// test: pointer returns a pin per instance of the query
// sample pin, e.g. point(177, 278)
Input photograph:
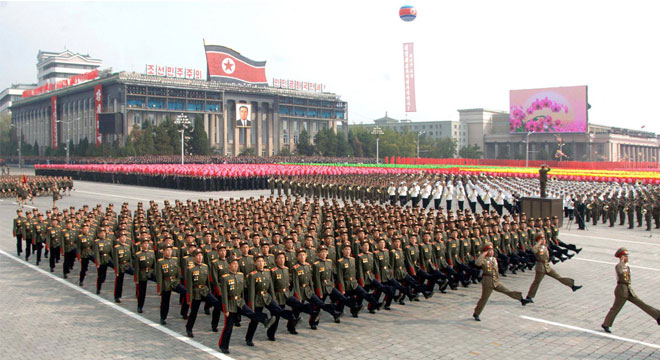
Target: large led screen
point(550, 110)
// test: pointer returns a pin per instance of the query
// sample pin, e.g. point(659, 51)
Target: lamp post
point(20, 141)
point(184, 122)
point(418, 135)
point(527, 148)
point(68, 127)
point(377, 131)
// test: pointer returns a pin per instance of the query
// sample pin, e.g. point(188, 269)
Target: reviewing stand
point(538, 207)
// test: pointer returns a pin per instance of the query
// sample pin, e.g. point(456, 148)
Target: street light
point(184, 122)
point(418, 135)
point(527, 148)
point(377, 131)
point(20, 140)
point(68, 127)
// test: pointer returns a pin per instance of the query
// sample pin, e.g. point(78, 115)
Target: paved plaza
point(47, 317)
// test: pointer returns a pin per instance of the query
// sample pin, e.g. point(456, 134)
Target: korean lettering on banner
point(160, 70)
point(151, 69)
point(305, 86)
point(170, 71)
point(180, 72)
point(284, 84)
point(409, 77)
point(298, 85)
point(276, 82)
point(292, 84)
point(198, 74)
point(98, 103)
point(53, 120)
point(190, 73)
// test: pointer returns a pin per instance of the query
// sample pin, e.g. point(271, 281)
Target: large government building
point(104, 106)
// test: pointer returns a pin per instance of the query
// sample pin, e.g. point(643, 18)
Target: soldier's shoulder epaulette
point(407, 246)
point(328, 260)
point(204, 265)
point(316, 262)
point(274, 269)
point(225, 275)
point(175, 257)
point(117, 245)
point(266, 269)
point(239, 273)
point(296, 266)
point(161, 259)
point(138, 252)
point(253, 272)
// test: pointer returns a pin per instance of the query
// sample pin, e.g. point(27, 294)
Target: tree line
point(362, 143)
point(147, 139)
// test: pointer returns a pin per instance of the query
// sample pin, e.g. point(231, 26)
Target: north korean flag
point(227, 65)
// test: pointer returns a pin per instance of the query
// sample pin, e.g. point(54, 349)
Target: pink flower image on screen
point(562, 109)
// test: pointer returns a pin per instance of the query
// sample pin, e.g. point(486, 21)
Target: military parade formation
point(324, 244)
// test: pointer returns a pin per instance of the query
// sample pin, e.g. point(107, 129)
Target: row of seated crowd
point(189, 159)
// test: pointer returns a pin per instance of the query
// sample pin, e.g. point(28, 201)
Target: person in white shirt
point(391, 191)
point(472, 199)
point(437, 195)
point(460, 196)
point(414, 193)
point(403, 193)
point(426, 193)
point(449, 194)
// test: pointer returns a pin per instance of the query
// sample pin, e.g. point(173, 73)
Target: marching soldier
point(19, 231)
point(122, 257)
point(233, 305)
point(168, 279)
point(102, 257)
point(198, 289)
point(282, 285)
point(54, 243)
point(323, 272)
point(348, 284)
point(145, 262)
point(543, 268)
point(491, 281)
point(69, 240)
point(624, 292)
point(85, 249)
point(261, 293)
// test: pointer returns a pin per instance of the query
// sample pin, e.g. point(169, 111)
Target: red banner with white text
point(409, 76)
point(98, 103)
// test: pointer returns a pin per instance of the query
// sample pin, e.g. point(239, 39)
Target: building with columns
point(127, 99)
point(599, 143)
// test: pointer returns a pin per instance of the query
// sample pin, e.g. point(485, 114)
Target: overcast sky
point(468, 54)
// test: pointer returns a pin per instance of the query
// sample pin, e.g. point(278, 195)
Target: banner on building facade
point(409, 76)
point(227, 65)
point(53, 120)
point(98, 105)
